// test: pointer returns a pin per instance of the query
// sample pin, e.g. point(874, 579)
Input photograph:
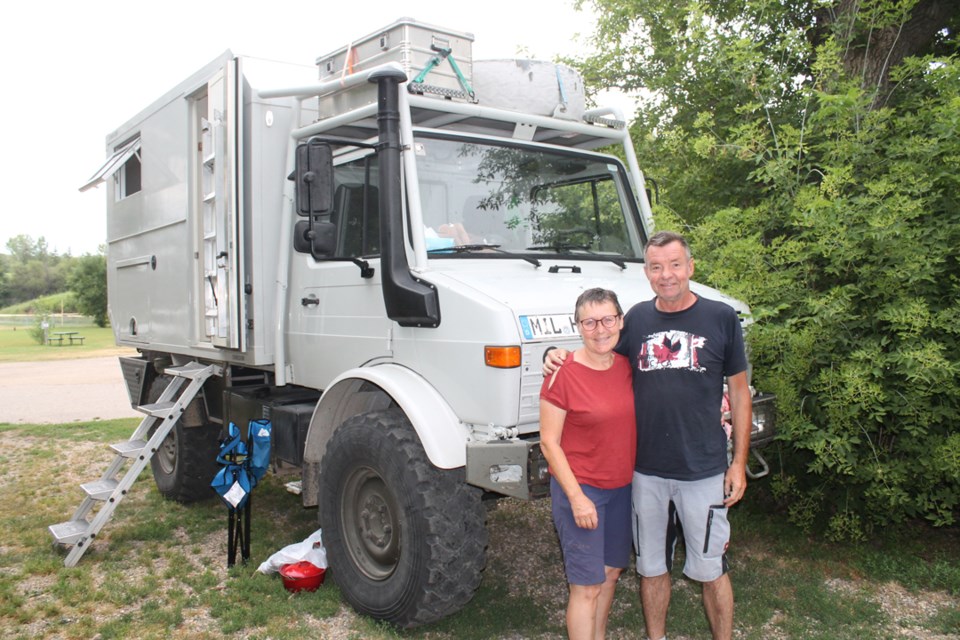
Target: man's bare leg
point(655, 598)
point(718, 603)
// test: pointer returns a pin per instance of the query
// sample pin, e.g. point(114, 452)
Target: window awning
point(117, 160)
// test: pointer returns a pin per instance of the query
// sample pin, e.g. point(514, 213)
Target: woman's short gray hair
point(596, 295)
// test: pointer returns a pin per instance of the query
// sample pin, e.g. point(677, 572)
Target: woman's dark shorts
point(587, 551)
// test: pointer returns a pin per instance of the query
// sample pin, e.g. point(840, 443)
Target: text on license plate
point(560, 324)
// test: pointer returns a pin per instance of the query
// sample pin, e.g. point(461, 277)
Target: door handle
point(309, 300)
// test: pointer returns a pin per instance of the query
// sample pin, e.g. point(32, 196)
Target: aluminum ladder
point(80, 530)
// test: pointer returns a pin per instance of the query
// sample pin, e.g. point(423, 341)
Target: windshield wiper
point(463, 248)
point(620, 262)
point(560, 247)
point(467, 248)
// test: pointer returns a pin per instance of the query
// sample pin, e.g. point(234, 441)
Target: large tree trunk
point(873, 50)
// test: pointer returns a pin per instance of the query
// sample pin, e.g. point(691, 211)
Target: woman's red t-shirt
point(599, 435)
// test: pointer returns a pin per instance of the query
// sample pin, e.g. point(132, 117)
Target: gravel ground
point(63, 391)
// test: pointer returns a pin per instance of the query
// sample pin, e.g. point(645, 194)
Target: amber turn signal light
point(501, 357)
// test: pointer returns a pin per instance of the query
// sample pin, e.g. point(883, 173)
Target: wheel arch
point(441, 433)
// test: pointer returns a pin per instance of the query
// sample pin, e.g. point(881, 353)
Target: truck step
point(99, 490)
point(69, 532)
point(129, 448)
point(157, 409)
point(190, 370)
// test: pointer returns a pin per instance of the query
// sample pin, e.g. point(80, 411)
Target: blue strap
point(563, 93)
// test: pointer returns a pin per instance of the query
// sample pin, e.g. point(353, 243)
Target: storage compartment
point(289, 409)
point(531, 86)
point(290, 425)
point(411, 44)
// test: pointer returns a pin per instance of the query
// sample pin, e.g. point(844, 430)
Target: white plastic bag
point(310, 550)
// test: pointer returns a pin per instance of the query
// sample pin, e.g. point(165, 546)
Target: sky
point(72, 72)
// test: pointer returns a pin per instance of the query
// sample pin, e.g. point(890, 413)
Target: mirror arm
point(366, 271)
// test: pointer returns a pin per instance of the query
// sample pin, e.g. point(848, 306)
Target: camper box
point(194, 188)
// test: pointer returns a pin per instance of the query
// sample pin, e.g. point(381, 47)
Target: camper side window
point(122, 167)
point(127, 179)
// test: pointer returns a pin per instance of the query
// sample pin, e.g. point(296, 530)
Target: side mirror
point(314, 178)
point(318, 239)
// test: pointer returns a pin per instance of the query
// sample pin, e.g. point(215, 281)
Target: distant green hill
point(55, 303)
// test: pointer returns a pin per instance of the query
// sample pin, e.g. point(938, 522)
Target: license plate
point(548, 326)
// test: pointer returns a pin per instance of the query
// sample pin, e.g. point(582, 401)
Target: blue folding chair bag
point(233, 485)
point(259, 436)
point(233, 450)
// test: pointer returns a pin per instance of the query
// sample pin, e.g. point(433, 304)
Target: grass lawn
point(17, 345)
point(158, 569)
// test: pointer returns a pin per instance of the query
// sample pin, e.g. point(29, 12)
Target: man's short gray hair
point(663, 238)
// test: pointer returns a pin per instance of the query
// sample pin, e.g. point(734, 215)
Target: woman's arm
point(551, 428)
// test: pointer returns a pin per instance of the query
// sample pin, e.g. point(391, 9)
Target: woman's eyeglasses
point(589, 324)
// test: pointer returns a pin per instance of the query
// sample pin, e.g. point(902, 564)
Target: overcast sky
point(73, 72)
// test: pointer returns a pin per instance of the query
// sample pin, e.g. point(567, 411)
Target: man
point(681, 347)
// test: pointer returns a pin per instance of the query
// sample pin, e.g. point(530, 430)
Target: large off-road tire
point(186, 460)
point(406, 542)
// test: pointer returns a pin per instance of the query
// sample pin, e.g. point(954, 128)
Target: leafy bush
point(37, 331)
point(810, 152)
point(855, 280)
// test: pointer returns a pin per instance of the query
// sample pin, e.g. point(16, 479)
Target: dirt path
point(63, 391)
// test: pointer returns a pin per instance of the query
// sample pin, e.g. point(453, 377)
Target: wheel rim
point(370, 524)
point(166, 455)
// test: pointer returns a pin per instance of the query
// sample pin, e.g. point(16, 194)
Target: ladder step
point(157, 409)
point(99, 490)
point(69, 532)
point(190, 370)
point(129, 448)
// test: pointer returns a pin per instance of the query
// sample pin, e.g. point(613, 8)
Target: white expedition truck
point(375, 260)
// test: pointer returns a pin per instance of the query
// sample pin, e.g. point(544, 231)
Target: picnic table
point(58, 337)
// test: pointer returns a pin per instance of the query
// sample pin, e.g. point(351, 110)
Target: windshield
point(523, 200)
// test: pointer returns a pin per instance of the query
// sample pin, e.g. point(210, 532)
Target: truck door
point(218, 120)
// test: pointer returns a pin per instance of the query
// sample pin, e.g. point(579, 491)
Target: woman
point(588, 436)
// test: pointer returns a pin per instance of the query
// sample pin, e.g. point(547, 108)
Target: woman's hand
point(584, 512)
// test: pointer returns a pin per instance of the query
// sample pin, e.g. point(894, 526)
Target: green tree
point(5, 298)
point(88, 281)
point(32, 270)
point(809, 149)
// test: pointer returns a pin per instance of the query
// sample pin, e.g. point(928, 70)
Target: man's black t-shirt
point(679, 362)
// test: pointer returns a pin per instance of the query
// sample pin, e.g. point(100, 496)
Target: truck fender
point(441, 433)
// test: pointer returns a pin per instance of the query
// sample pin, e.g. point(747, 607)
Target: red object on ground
point(301, 576)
